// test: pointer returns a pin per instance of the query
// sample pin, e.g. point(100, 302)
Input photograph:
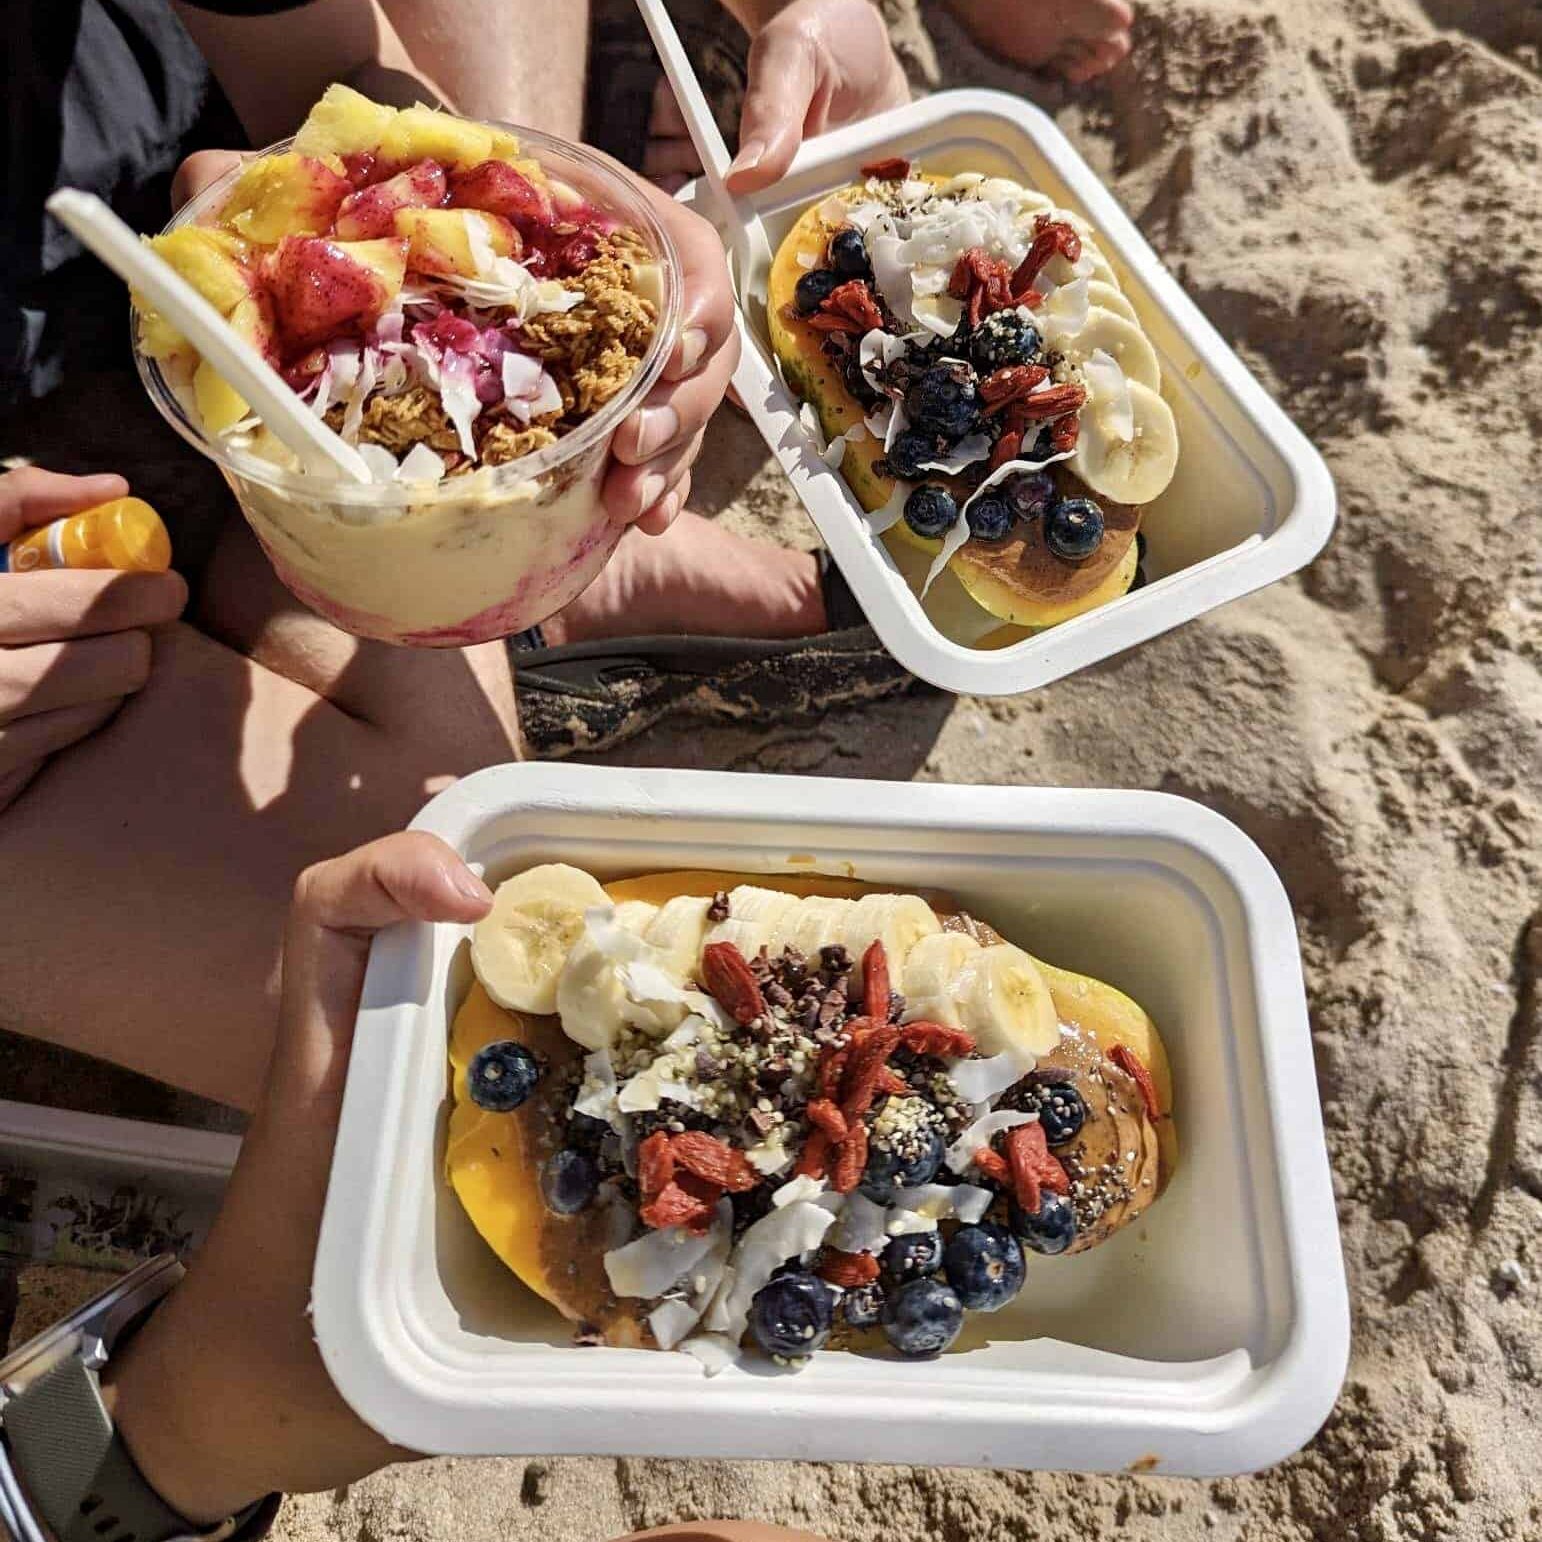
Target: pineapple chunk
point(284, 195)
point(421, 133)
point(158, 339)
point(343, 122)
point(219, 403)
point(210, 260)
point(439, 241)
point(505, 145)
point(387, 259)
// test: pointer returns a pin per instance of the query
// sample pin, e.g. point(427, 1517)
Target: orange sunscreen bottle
point(126, 534)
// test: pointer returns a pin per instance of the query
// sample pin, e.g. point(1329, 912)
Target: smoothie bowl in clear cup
point(481, 361)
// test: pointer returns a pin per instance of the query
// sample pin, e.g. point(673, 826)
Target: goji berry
point(1010, 383)
point(860, 1083)
point(890, 1081)
point(824, 1115)
point(848, 1270)
point(993, 1165)
point(832, 1066)
point(1006, 448)
point(672, 1206)
point(655, 1164)
point(826, 321)
point(854, 301)
point(850, 1159)
point(875, 982)
point(1033, 1165)
point(923, 1038)
point(1129, 1062)
point(1053, 403)
point(1051, 236)
point(713, 1160)
point(1064, 433)
point(814, 1159)
point(894, 168)
point(727, 975)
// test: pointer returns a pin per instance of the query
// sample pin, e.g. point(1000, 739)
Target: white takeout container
point(1251, 500)
point(1208, 1337)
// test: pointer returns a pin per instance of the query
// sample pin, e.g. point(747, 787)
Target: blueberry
point(568, 1181)
point(848, 253)
point(1061, 1112)
point(1050, 1229)
point(984, 1265)
point(989, 517)
point(501, 1076)
point(945, 400)
point(914, 1255)
point(930, 510)
point(863, 1306)
point(1029, 493)
point(888, 1170)
point(791, 1315)
point(909, 449)
point(1004, 338)
point(922, 1318)
point(1073, 528)
point(813, 289)
point(585, 1132)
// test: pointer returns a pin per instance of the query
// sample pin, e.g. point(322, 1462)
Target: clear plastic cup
point(472, 558)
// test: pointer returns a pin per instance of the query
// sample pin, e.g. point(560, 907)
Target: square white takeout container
point(1250, 502)
point(1208, 1337)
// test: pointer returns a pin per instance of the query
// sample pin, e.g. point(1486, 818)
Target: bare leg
point(148, 869)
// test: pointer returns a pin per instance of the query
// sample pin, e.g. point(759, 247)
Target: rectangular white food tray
point(1250, 502)
point(1209, 1337)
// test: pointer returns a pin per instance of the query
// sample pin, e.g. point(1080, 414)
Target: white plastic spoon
point(751, 244)
point(319, 450)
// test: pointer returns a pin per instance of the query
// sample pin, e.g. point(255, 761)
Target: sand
point(1349, 191)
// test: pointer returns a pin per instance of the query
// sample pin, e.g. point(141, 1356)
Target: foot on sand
point(1078, 39)
point(700, 580)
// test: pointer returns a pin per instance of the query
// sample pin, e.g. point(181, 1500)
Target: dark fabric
point(105, 95)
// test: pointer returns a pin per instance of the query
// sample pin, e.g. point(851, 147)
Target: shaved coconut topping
point(961, 1153)
point(1065, 313)
point(945, 1201)
point(786, 1233)
point(879, 520)
point(597, 1096)
point(1001, 473)
point(363, 383)
point(978, 1081)
point(771, 1155)
point(1109, 395)
point(876, 350)
point(952, 544)
point(672, 1319)
point(801, 1187)
point(861, 1227)
point(715, 1351)
point(891, 275)
point(966, 452)
point(421, 464)
point(650, 1264)
point(381, 462)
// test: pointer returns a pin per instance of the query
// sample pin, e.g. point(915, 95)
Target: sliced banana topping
point(519, 947)
point(1102, 295)
point(927, 977)
point(1121, 339)
point(813, 922)
point(753, 915)
point(1004, 1002)
point(1132, 470)
point(591, 995)
point(899, 921)
point(678, 931)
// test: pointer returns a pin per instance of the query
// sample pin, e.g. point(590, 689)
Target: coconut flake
point(672, 1319)
point(597, 1097)
point(952, 544)
point(771, 1155)
point(978, 1081)
point(1001, 473)
point(802, 1187)
point(1108, 393)
point(860, 1228)
point(877, 350)
point(879, 520)
point(1065, 313)
point(985, 1129)
point(482, 254)
point(422, 463)
point(715, 1351)
point(945, 1201)
point(891, 274)
point(381, 462)
point(650, 1264)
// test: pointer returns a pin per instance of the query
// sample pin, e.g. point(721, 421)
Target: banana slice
point(812, 923)
point(1133, 470)
point(1122, 340)
point(927, 977)
point(899, 921)
point(590, 997)
point(1004, 1002)
point(753, 914)
point(1103, 295)
point(678, 932)
point(519, 947)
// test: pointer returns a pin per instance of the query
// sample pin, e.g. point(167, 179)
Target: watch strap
point(78, 1474)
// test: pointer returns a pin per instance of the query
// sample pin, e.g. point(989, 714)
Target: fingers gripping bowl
point(698, 1112)
point(476, 308)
